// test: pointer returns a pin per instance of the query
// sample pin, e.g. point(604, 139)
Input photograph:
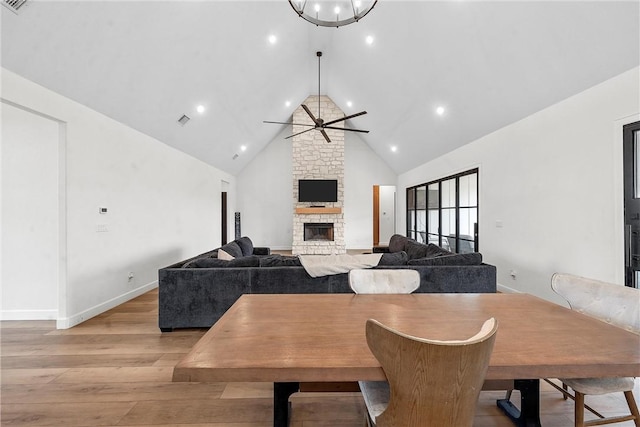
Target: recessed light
point(369, 39)
point(336, 10)
point(440, 110)
point(349, 104)
point(273, 39)
point(287, 104)
point(243, 148)
point(394, 148)
point(317, 7)
point(200, 109)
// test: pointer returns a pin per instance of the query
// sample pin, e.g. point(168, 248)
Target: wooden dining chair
point(388, 281)
point(429, 382)
point(614, 304)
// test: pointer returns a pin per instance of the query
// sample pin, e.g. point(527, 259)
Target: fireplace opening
point(318, 231)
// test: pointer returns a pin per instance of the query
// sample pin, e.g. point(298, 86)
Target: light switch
point(102, 228)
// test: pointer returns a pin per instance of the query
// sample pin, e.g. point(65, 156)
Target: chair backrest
point(384, 281)
point(615, 304)
point(435, 383)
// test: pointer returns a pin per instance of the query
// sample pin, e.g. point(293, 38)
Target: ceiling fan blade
point(344, 118)
point(311, 115)
point(350, 130)
point(296, 134)
point(287, 123)
point(325, 135)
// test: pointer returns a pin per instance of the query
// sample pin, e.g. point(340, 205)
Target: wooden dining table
point(320, 338)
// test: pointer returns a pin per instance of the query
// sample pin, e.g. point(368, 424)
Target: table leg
point(281, 405)
point(529, 413)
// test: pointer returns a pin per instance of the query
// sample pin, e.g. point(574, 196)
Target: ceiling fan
point(319, 123)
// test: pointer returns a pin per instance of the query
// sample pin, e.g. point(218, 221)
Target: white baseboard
point(28, 314)
point(507, 290)
point(76, 319)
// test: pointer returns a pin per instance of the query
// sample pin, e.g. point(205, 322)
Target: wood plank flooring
point(115, 370)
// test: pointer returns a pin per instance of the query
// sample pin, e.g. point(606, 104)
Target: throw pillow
point(473, 258)
point(233, 249)
point(191, 263)
point(246, 245)
point(395, 258)
point(223, 255)
point(397, 242)
point(210, 254)
point(415, 250)
point(279, 261)
point(433, 251)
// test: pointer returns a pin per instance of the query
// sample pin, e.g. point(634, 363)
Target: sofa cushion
point(394, 258)
point(415, 250)
point(433, 251)
point(472, 258)
point(279, 261)
point(397, 243)
point(248, 261)
point(246, 245)
point(233, 249)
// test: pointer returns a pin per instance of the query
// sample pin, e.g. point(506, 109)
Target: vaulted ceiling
point(489, 64)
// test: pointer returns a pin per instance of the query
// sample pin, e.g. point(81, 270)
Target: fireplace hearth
point(314, 231)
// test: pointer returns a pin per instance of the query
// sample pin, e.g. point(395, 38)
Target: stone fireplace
point(314, 158)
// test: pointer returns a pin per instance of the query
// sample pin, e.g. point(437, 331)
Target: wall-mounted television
point(318, 190)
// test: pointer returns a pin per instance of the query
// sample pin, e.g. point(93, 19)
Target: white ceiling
point(146, 63)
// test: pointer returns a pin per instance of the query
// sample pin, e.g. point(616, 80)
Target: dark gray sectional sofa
point(195, 293)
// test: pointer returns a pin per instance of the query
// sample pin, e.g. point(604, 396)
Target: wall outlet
point(102, 228)
point(513, 274)
point(130, 276)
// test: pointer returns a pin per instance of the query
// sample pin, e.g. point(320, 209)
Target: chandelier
point(332, 13)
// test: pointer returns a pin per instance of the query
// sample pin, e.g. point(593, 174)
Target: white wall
point(554, 180)
point(363, 169)
point(265, 185)
point(163, 205)
point(30, 220)
point(264, 195)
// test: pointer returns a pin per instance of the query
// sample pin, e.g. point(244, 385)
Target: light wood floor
point(115, 370)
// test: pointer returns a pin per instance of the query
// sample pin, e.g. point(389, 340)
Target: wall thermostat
point(102, 210)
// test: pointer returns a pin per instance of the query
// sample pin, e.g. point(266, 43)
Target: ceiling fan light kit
point(319, 123)
point(333, 13)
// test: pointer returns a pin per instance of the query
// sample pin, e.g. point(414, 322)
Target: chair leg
point(633, 407)
point(579, 409)
point(565, 388)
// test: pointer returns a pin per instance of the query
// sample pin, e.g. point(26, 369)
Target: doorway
point(631, 159)
point(384, 219)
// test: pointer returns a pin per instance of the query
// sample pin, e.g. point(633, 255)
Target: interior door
point(631, 158)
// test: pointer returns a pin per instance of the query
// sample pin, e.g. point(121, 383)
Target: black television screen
point(317, 190)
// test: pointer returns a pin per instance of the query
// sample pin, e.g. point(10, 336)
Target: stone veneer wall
point(314, 158)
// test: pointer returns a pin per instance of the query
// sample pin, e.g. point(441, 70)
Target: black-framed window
point(445, 212)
